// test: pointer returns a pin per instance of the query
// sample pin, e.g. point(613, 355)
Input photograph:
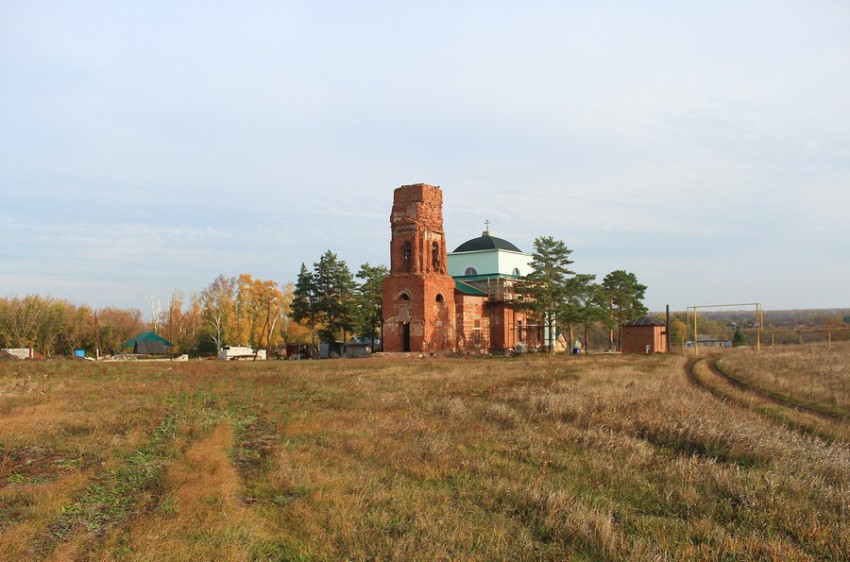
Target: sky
point(147, 147)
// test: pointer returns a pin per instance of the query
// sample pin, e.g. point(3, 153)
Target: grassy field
point(816, 376)
point(706, 373)
point(533, 458)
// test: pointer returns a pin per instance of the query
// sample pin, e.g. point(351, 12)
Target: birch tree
point(217, 302)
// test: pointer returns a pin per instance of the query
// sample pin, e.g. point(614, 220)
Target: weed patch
point(13, 507)
point(36, 464)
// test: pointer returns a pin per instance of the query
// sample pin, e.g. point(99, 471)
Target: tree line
point(232, 310)
point(57, 327)
point(326, 303)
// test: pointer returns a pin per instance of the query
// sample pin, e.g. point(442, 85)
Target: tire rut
point(786, 407)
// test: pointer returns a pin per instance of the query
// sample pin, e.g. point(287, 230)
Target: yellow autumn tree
point(243, 314)
point(268, 306)
point(183, 322)
point(258, 312)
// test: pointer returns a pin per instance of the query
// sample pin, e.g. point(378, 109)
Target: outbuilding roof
point(146, 337)
point(644, 321)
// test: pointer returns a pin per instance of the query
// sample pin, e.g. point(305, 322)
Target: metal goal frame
point(759, 322)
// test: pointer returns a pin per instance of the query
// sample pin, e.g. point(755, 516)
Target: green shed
point(148, 343)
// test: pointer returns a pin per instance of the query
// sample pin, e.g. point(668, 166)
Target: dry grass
point(815, 375)
point(769, 403)
point(591, 458)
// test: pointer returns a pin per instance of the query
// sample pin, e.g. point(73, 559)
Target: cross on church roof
point(486, 228)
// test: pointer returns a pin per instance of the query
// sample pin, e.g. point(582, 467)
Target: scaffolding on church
point(514, 292)
point(501, 288)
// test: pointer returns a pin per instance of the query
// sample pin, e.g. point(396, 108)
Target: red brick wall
point(634, 339)
point(473, 323)
point(417, 220)
point(505, 324)
point(418, 295)
point(496, 325)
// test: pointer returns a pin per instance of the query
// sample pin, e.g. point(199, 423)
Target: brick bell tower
point(418, 295)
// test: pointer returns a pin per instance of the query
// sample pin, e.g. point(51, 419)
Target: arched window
point(406, 255)
point(404, 297)
point(440, 297)
point(435, 256)
point(470, 271)
point(516, 271)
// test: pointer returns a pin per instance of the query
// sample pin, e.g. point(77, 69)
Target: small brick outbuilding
point(643, 335)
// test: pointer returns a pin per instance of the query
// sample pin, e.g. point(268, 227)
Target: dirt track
point(826, 425)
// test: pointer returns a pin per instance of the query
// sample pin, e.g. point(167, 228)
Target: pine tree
point(371, 298)
point(336, 304)
point(549, 281)
point(304, 302)
point(625, 300)
point(581, 306)
point(738, 339)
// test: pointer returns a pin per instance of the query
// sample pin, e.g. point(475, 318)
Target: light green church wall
point(487, 262)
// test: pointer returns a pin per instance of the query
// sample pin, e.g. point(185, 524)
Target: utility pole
point(171, 330)
point(96, 338)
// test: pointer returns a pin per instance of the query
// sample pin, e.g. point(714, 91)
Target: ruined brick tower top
point(418, 243)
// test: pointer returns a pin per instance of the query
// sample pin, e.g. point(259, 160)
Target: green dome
point(486, 242)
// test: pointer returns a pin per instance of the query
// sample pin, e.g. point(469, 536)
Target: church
point(472, 300)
